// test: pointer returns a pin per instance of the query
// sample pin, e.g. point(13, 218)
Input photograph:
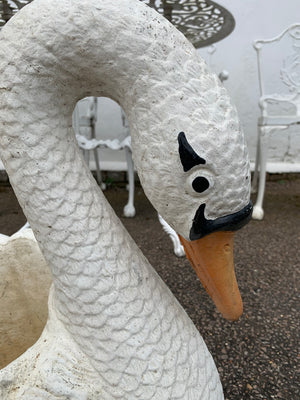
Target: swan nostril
point(227, 248)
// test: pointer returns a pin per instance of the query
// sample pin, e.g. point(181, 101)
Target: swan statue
point(114, 329)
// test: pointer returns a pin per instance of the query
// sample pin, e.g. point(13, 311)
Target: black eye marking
point(189, 158)
point(200, 184)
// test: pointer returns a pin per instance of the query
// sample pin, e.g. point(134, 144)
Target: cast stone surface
point(114, 330)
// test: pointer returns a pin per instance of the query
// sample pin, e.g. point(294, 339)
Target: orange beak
point(212, 259)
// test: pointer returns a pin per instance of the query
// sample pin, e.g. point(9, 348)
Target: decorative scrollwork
point(290, 72)
point(290, 69)
point(203, 22)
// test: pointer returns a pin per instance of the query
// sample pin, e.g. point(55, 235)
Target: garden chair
point(84, 123)
point(279, 110)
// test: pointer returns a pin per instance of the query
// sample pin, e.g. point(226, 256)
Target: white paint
point(114, 329)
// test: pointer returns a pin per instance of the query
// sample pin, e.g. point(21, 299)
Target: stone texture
point(108, 308)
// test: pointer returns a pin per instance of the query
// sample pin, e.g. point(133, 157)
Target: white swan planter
point(114, 330)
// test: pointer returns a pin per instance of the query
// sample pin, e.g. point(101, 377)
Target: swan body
point(114, 329)
point(24, 285)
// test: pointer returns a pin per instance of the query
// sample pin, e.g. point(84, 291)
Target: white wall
point(255, 19)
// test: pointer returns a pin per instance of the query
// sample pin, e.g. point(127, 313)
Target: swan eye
point(200, 184)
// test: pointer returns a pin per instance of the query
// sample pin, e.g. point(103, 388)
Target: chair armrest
point(264, 101)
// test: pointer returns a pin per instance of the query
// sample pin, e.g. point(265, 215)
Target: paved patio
point(256, 356)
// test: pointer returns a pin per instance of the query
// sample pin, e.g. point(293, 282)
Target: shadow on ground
point(256, 356)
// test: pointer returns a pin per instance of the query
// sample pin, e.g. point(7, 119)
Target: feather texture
point(115, 331)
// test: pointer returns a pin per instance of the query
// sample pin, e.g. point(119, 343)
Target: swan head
point(201, 186)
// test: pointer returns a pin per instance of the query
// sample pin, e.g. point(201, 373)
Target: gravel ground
point(257, 355)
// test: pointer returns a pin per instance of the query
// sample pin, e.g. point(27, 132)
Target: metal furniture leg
point(129, 209)
point(98, 170)
point(257, 166)
point(264, 133)
point(178, 248)
point(258, 212)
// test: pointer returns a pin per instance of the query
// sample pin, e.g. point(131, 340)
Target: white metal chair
point(281, 109)
point(84, 123)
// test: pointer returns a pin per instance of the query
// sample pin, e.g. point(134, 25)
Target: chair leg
point(129, 210)
point(178, 248)
point(258, 212)
point(86, 156)
point(98, 170)
point(257, 166)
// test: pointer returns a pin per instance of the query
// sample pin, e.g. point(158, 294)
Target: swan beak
point(212, 259)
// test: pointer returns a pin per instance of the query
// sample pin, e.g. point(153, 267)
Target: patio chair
point(84, 123)
point(278, 110)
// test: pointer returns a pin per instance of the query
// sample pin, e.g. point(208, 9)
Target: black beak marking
point(189, 158)
point(232, 222)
